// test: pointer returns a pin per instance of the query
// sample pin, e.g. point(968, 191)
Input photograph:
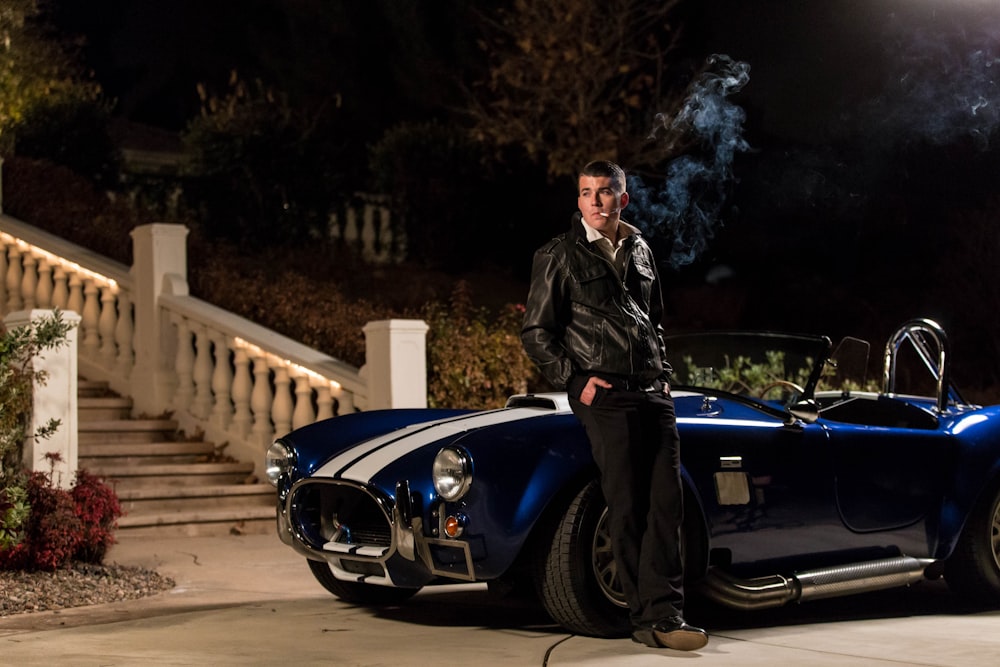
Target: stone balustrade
point(215, 372)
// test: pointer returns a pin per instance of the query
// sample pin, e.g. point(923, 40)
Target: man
point(592, 326)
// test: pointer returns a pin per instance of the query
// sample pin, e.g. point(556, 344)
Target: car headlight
point(277, 461)
point(452, 473)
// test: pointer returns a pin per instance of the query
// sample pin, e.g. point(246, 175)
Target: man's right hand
point(590, 390)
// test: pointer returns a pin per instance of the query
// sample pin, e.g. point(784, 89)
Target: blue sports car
point(804, 479)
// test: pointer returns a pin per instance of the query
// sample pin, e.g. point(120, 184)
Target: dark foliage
point(64, 526)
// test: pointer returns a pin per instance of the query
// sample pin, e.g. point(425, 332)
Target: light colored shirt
point(611, 250)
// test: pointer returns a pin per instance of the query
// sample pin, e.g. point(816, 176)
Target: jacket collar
point(588, 234)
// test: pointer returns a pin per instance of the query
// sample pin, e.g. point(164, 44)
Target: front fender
point(517, 474)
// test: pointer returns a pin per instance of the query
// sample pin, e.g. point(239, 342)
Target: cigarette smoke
point(942, 80)
point(686, 206)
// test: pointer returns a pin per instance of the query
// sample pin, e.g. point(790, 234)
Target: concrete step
point(167, 486)
point(127, 477)
point(93, 388)
point(128, 453)
point(151, 499)
point(104, 431)
point(200, 523)
point(103, 408)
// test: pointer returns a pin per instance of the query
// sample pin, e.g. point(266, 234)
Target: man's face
point(599, 203)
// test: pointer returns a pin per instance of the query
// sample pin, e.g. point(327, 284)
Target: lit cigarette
point(606, 215)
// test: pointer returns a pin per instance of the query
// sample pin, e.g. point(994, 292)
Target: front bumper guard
point(407, 540)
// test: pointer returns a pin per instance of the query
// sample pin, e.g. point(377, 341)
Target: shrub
point(96, 505)
point(52, 533)
point(72, 131)
point(14, 513)
point(63, 526)
point(473, 361)
point(57, 199)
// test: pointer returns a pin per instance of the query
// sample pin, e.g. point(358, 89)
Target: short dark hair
point(606, 169)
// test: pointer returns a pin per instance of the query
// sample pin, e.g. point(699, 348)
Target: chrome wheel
point(605, 567)
point(995, 534)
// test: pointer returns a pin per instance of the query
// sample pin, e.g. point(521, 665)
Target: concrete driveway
point(249, 600)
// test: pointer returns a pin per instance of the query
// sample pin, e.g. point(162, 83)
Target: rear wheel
point(357, 592)
point(973, 570)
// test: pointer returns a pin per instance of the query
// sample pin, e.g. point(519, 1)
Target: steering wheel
point(785, 384)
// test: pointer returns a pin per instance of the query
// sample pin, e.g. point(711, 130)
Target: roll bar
point(931, 344)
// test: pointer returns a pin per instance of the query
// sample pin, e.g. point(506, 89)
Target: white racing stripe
point(361, 463)
point(729, 422)
point(348, 456)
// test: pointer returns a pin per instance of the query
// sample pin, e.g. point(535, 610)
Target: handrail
point(254, 335)
point(73, 256)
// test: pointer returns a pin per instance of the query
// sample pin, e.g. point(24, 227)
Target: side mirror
point(807, 411)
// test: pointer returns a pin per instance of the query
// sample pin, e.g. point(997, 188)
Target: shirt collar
point(625, 230)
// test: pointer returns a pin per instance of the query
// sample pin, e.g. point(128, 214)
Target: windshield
point(748, 363)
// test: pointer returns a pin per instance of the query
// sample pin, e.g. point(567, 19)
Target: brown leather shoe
point(673, 633)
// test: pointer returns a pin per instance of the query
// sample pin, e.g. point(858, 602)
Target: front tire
point(973, 571)
point(575, 571)
point(356, 592)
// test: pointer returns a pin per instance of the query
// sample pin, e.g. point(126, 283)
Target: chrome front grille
point(342, 513)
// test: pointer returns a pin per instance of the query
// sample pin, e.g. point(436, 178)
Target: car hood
point(363, 462)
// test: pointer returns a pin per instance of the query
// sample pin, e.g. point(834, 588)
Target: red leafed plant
point(64, 526)
point(52, 533)
point(97, 507)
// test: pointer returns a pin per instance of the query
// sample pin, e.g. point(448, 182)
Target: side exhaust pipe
point(777, 590)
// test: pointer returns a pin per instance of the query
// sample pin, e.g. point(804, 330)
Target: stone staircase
point(167, 485)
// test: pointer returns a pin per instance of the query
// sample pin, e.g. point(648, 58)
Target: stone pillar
point(159, 254)
point(56, 399)
point(396, 363)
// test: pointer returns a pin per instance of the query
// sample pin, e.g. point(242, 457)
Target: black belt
point(634, 384)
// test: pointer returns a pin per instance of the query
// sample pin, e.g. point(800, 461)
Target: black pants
point(634, 440)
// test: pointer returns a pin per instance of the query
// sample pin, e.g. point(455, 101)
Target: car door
point(767, 488)
point(889, 480)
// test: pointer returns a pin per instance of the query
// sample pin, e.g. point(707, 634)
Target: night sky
point(810, 60)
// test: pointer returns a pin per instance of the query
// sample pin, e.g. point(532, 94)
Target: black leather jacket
point(581, 319)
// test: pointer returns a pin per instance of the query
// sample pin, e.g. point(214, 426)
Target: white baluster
point(29, 280)
point(106, 327)
point(303, 402)
point(242, 388)
point(184, 366)
point(281, 410)
point(260, 400)
point(90, 318)
point(43, 291)
point(351, 231)
point(202, 405)
point(60, 288)
point(222, 382)
point(75, 302)
point(13, 280)
point(398, 238)
point(385, 235)
point(124, 332)
point(324, 402)
point(345, 402)
point(367, 234)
